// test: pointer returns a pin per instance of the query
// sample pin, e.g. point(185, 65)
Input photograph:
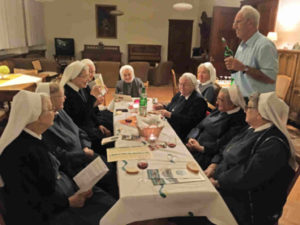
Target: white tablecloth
point(23, 79)
point(141, 200)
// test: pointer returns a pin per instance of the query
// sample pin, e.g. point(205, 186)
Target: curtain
point(34, 19)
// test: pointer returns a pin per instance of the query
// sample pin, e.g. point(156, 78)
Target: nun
point(186, 108)
point(129, 84)
point(70, 144)
point(258, 164)
point(218, 128)
point(206, 75)
point(81, 104)
point(36, 191)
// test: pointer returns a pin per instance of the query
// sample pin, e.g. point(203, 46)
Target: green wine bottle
point(227, 53)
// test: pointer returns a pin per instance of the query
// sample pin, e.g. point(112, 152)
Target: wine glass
point(142, 164)
point(172, 142)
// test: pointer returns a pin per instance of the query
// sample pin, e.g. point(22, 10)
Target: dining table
point(140, 198)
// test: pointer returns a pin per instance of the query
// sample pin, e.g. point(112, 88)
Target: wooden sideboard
point(289, 64)
point(102, 53)
point(145, 53)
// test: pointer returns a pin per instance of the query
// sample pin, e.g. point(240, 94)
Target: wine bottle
point(143, 102)
point(227, 53)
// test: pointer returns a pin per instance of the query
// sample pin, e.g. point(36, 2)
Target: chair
point(109, 71)
point(141, 70)
point(282, 86)
point(160, 75)
point(26, 71)
point(174, 82)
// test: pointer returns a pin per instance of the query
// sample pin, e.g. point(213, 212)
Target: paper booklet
point(90, 175)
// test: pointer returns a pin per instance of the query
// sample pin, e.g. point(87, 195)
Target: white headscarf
point(236, 96)
point(127, 67)
point(272, 108)
point(43, 87)
point(212, 71)
point(71, 72)
point(193, 79)
point(88, 62)
point(26, 108)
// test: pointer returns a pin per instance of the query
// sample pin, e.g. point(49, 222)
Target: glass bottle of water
point(143, 103)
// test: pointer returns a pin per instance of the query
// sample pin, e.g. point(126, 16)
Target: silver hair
point(54, 87)
point(192, 78)
point(254, 98)
point(250, 13)
point(126, 67)
point(225, 91)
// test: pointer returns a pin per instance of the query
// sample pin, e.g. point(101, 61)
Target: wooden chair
point(146, 85)
point(109, 71)
point(25, 71)
point(174, 82)
point(160, 75)
point(141, 70)
point(282, 86)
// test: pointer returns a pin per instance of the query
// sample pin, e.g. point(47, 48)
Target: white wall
point(288, 23)
point(143, 22)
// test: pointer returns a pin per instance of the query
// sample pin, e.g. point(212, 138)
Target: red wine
point(171, 145)
point(142, 165)
point(128, 120)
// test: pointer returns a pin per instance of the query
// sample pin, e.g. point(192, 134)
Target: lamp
point(272, 36)
point(182, 6)
point(116, 12)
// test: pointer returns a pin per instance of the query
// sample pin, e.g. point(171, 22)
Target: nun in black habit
point(36, 191)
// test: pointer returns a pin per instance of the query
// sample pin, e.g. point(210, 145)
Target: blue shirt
point(258, 52)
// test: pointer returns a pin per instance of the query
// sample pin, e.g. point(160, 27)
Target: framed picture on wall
point(105, 22)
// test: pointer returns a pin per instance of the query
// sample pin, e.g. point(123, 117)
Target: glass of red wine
point(172, 142)
point(142, 164)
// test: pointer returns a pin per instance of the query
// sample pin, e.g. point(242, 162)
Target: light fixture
point(182, 6)
point(116, 12)
point(272, 36)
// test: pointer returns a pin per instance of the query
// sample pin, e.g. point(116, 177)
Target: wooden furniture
point(282, 86)
point(160, 75)
point(8, 92)
point(174, 83)
point(141, 70)
point(289, 64)
point(102, 53)
point(145, 53)
point(109, 71)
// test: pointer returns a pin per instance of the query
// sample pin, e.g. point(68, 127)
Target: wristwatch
point(246, 69)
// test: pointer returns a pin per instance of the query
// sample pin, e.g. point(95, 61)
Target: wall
point(143, 22)
point(288, 23)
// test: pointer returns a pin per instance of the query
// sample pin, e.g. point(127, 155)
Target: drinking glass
point(172, 142)
point(142, 164)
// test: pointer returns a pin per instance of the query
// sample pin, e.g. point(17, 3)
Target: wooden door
point(222, 21)
point(179, 45)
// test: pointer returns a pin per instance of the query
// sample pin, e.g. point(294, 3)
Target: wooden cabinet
point(145, 53)
point(102, 53)
point(289, 64)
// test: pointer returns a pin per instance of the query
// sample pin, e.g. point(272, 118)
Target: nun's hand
point(78, 200)
point(96, 91)
point(214, 182)
point(99, 101)
point(158, 106)
point(209, 172)
point(88, 152)
point(105, 131)
point(166, 113)
point(194, 145)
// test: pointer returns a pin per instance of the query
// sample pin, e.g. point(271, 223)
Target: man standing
point(256, 60)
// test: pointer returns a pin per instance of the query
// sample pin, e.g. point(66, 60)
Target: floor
point(291, 215)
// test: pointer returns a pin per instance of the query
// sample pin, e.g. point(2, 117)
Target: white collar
point(73, 86)
point(186, 97)
point(263, 127)
point(38, 136)
point(233, 110)
point(205, 83)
